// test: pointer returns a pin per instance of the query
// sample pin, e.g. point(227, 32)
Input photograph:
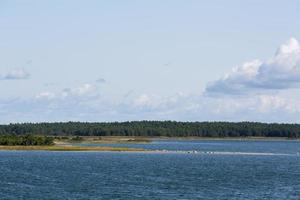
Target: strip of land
point(67, 148)
point(134, 150)
point(68, 140)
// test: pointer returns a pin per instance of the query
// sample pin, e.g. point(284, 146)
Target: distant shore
point(154, 128)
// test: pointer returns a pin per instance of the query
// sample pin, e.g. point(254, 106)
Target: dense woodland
point(25, 140)
point(155, 128)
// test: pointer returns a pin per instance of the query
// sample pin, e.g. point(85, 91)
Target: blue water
point(104, 175)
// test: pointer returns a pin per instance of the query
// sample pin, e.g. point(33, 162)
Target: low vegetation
point(25, 140)
point(100, 140)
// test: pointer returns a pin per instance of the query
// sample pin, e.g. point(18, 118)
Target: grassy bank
point(67, 148)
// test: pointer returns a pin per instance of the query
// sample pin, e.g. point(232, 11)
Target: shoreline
point(70, 146)
point(67, 148)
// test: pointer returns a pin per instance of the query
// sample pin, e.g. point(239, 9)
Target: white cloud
point(45, 95)
point(278, 73)
point(15, 74)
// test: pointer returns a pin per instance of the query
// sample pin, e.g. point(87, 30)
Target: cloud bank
point(182, 107)
point(280, 72)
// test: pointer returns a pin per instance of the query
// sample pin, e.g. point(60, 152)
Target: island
point(47, 143)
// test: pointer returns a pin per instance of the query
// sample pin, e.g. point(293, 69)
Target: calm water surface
point(103, 175)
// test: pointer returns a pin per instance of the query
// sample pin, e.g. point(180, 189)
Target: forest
point(155, 128)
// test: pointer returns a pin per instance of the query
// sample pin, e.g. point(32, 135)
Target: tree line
point(155, 128)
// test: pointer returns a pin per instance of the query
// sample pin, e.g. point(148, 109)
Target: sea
point(182, 169)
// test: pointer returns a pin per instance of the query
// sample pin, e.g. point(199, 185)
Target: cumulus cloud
point(280, 72)
point(15, 74)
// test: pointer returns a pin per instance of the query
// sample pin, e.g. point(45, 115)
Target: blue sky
point(156, 60)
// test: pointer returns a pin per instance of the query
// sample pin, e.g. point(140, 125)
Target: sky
point(124, 60)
